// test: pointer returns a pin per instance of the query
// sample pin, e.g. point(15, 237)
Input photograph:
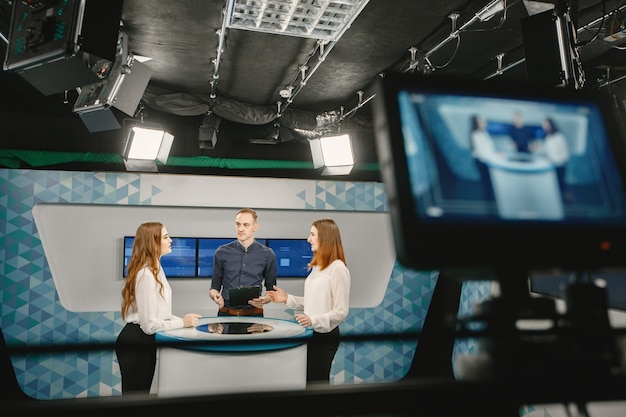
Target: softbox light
point(334, 153)
point(145, 146)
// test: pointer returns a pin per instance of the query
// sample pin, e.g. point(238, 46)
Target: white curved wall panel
point(83, 244)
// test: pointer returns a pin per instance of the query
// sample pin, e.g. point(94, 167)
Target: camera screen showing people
point(494, 162)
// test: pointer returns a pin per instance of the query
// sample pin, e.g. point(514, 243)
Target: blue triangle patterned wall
point(32, 314)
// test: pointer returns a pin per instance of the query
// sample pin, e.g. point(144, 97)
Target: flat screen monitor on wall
point(206, 250)
point(181, 262)
point(193, 257)
point(292, 256)
point(525, 199)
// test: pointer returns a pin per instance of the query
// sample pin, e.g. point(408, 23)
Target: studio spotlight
point(207, 133)
point(121, 86)
point(334, 153)
point(145, 145)
point(272, 138)
point(52, 43)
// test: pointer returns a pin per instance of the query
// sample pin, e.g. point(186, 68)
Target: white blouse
point(326, 297)
point(151, 310)
point(483, 146)
point(556, 148)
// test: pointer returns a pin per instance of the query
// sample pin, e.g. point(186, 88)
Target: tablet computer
point(238, 297)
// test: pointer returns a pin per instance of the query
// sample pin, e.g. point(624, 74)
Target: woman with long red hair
point(326, 299)
point(146, 308)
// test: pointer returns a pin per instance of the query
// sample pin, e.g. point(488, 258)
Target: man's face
point(245, 226)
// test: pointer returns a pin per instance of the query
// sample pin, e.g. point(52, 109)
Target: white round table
point(232, 354)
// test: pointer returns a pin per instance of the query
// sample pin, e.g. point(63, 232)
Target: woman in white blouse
point(556, 150)
point(326, 299)
point(146, 308)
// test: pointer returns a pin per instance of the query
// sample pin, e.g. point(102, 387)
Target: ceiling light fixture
point(272, 138)
point(122, 86)
point(207, 133)
point(51, 43)
point(334, 153)
point(145, 145)
point(324, 19)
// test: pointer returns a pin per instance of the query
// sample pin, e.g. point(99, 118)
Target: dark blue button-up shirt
point(235, 266)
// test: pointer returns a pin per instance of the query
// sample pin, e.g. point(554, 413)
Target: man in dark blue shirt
point(525, 137)
point(244, 262)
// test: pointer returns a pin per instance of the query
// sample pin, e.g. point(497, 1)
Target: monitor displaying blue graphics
point(192, 257)
point(486, 173)
point(292, 256)
point(128, 251)
point(206, 251)
point(181, 262)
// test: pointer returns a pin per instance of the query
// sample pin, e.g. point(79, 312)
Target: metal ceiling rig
point(210, 125)
point(500, 70)
point(226, 15)
point(324, 20)
point(420, 59)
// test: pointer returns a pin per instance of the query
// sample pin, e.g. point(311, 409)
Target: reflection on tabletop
point(239, 328)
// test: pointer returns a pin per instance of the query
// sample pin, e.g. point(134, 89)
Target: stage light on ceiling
point(52, 43)
point(207, 132)
point(272, 138)
point(145, 146)
point(121, 85)
point(334, 153)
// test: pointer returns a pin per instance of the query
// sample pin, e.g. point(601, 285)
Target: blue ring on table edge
point(232, 345)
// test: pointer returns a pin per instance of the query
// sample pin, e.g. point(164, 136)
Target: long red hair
point(146, 252)
point(329, 246)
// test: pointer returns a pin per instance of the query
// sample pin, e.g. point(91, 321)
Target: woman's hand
point(277, 296)
point(303, 320)
point(191, 320)
point(259, 301)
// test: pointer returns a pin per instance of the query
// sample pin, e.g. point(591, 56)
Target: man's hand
point(217, 298)
point(217, 328)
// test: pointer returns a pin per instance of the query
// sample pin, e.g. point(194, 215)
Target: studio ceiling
point(241, 68)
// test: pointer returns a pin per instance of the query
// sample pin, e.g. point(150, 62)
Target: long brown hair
point(329, 246)
point(146, 252)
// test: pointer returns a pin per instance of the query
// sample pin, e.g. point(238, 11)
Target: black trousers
point(485, 180)
point(320, 354)
point(136, 353)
